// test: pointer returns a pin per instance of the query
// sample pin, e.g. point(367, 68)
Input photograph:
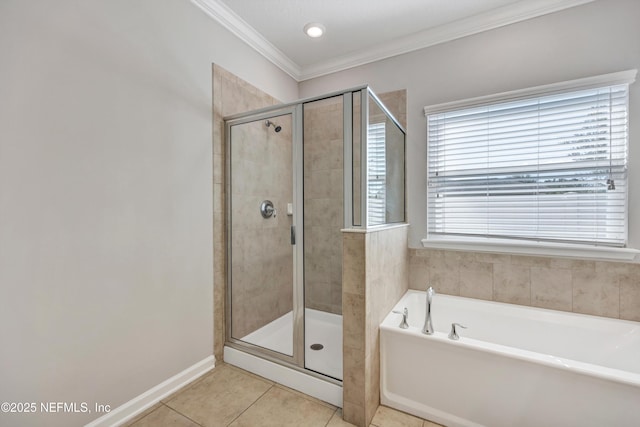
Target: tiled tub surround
point(375, 276)
point(601, 288)
point(512, 366)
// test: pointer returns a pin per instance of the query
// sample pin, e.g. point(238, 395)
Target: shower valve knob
point(267, 210)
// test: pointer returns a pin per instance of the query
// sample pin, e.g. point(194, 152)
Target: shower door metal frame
point(363, 93)
point(297, 359)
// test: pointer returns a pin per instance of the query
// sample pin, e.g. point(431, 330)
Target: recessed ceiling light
point(313, 29)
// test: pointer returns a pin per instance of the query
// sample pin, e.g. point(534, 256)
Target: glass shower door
point(323, 164)
point(261, 247)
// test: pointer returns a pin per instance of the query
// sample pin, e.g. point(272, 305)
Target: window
point(543, 164)
point(377, 172)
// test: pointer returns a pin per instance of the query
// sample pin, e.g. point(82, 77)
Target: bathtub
point(513, 366)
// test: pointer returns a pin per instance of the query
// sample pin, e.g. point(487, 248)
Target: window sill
point(374, 228)
point(533, 248)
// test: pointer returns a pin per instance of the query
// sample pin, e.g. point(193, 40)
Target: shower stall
point(296, 176)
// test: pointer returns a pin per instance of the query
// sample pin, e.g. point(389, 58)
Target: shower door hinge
point(293, 234)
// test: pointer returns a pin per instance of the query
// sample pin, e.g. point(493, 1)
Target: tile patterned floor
point(228, 396)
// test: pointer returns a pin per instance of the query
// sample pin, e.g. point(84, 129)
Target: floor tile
point(165, 417)
point(306, 396)
point(430, 424)
point(387, 417)
point(141, 415)
point(337, 421)
point(282, 408)
point(220, 397)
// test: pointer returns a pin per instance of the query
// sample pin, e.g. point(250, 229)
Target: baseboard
point(142, 402)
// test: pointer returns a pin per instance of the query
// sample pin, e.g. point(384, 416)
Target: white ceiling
point(362, 31)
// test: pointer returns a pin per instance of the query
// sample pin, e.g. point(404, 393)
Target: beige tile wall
point(231, 95)
point(396, 103)
point(375, 276)
point(323, 204)
point(354, 326)
point(600, 288)
point(261, 266)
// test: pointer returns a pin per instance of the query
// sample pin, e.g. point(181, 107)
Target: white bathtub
point(513, 366)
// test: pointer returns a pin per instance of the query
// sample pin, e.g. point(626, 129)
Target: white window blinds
point(377, 173)
point(546, 168)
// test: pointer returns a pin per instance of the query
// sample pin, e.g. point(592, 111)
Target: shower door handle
point(293, 234)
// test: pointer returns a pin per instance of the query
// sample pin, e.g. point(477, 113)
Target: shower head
point(276, 127)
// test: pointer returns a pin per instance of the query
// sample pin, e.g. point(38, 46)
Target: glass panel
point(395, 203)
point(356, 159)
point(323, 146)
point(385, 168)
point(261, 250)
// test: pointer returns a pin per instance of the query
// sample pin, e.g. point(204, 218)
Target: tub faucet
point(405, 317)
point(428, 326)
point(453, 335)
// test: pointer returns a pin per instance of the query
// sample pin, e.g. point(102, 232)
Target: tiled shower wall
point(231, 95)
point(375, 277)
point(600, 288)
point(261, 255)
point(323, 204)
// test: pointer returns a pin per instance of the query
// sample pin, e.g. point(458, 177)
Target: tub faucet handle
point(453, 335)
point(405, 316)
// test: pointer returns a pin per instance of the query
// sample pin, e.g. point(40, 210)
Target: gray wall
point(592, 39)
point(106, 264)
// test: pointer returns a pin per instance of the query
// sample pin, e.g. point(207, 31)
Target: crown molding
point(245, 32)
point(493, 19)
point(496, 18)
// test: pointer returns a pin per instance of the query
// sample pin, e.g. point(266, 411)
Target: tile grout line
point(305, 396)
point(180, 413)
point(254, 402)
point(331, 417)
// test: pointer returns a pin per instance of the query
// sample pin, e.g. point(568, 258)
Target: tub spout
point(428, 325)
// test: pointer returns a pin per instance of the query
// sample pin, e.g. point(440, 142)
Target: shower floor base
point(321, 328)
point(307, 384)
